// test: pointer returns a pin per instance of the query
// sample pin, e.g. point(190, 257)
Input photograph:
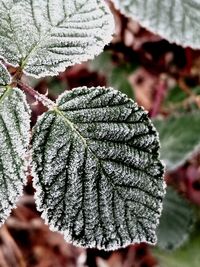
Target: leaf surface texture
point(46, 36)
point(97, 171)
point(176, 20)
point(14, 141)
point(5, 77)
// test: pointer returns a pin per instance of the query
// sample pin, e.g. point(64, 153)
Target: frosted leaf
point(179, 137)
point(176, 221)
point(97, 172)
point(46, 36)
point(5, 77)
point(176, 20)
point(14, 140)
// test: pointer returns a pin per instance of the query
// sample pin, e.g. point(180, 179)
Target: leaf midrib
point(69, 123)
point(47, 34)
point(99, 161)
point(8, 90)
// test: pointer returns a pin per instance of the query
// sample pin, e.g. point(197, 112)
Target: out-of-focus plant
point(94, 153)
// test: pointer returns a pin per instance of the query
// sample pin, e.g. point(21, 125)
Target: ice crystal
point(176, 20)
point(14, 140)
point(46, 36)
point(5, 77)
point(97, 172)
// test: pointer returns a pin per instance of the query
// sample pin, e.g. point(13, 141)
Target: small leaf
point(176, 221)
point(46, 36)
point(184, 257)
point(177, 21)
point(178, 98)
point(5, 77)
point(103, 63)
point(179, 137)
point(117, 75)
point(98, 178)
point(119, 80)
point(14, 140)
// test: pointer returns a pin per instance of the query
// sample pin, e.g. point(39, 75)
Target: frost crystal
point(176, 20)
point(97, 172)
point(14, 140)
point(46, 36)
point(5, 77)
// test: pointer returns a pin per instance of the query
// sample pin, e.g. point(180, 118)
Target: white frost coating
point(5, 77)
point(46, 36)
point(14, 141)
point(176, 20)
point(96, 169)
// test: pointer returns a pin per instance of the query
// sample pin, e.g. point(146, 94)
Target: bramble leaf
point(179, 137)
point(186, 256)
point(44, 37)
point(14, 140)
point(176, 20)
point(5, 77)
point(97, 172)
point(176, 221)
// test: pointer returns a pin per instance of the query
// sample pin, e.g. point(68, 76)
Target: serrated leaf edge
point(147, 26)
point(25, 158)
point(108, 35)
point(38, 191)
point(10, 78)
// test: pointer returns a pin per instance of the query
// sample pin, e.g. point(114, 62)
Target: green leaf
point(97, 174)
point(177, 21)
point(5, 77)
point(119, 80)
point(179, 137)
point(117, 74)
point(177, 96)
point(46, 36)
point(176, 221)
point(14, 141)
point(184, 257)
point(103, 63)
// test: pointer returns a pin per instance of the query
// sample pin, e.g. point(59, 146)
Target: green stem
point(7, 92)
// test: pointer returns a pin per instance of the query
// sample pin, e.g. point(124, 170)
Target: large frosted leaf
point(97, 174)
point(176, 221)
point(176, 20)
point(46, 36)
point(179, 137)
point(14, 140)
point(5, 77)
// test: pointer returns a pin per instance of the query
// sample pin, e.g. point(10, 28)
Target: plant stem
point(39, 97)
point(161, 88)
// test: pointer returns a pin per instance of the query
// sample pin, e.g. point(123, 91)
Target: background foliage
point(165, 79)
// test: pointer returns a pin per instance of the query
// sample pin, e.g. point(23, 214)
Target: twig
point(161, 88)
point(39, 97)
